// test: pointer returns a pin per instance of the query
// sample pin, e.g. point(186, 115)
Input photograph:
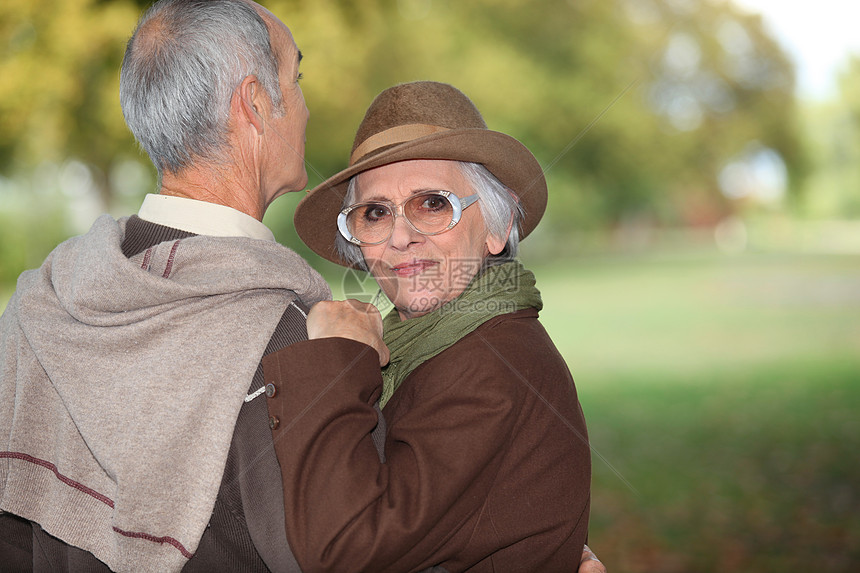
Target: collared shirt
point(201, 217)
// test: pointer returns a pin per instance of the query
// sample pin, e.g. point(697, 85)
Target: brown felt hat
point(422, 120)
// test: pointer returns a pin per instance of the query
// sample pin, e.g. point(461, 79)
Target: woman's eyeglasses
point(428, 212)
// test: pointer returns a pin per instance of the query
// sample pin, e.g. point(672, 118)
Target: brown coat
point(488, 465)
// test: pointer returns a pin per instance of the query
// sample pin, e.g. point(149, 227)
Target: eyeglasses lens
point(429, 213)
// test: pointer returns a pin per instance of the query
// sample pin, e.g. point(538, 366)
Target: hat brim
point(506, 158)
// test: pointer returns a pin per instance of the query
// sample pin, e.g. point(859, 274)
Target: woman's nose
point(403, 235)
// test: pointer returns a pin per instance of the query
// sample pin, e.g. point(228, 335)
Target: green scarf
point(500, 289)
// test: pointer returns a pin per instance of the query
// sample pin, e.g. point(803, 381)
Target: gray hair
point(179, 71)
point(498, 204)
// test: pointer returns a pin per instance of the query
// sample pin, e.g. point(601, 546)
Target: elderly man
point(136, 431)
point(133, 410)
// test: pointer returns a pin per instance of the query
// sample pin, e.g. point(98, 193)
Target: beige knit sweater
point(121, 380)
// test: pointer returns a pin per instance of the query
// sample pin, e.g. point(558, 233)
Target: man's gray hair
point(180, 68)
point(498, 205)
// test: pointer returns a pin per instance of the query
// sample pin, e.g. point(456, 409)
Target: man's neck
point(220, 189)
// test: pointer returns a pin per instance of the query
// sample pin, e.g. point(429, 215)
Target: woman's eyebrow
point(379, 198)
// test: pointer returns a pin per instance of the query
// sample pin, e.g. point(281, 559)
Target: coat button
point(271, 390)
point(274, 422)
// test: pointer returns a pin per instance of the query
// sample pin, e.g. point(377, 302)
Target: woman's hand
point(350, 319)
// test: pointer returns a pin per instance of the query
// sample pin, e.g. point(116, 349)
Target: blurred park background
point(699, 260)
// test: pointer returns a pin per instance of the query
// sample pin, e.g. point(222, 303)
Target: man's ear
point(248, 102)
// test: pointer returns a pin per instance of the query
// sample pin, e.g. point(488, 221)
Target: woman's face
point(419, 273)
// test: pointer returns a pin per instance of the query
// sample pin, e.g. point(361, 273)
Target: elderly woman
point(487, 464)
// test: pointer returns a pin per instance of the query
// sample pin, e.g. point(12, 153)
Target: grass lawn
point(722, 398)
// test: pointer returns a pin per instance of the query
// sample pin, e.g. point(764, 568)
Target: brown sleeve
point(346, 509)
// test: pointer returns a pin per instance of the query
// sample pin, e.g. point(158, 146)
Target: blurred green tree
point(845, 154)
point(833, 129)
point(59, 94)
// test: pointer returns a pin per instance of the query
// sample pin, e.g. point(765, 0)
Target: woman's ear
point(495, 244)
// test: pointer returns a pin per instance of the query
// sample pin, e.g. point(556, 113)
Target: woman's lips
point(412, 268)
